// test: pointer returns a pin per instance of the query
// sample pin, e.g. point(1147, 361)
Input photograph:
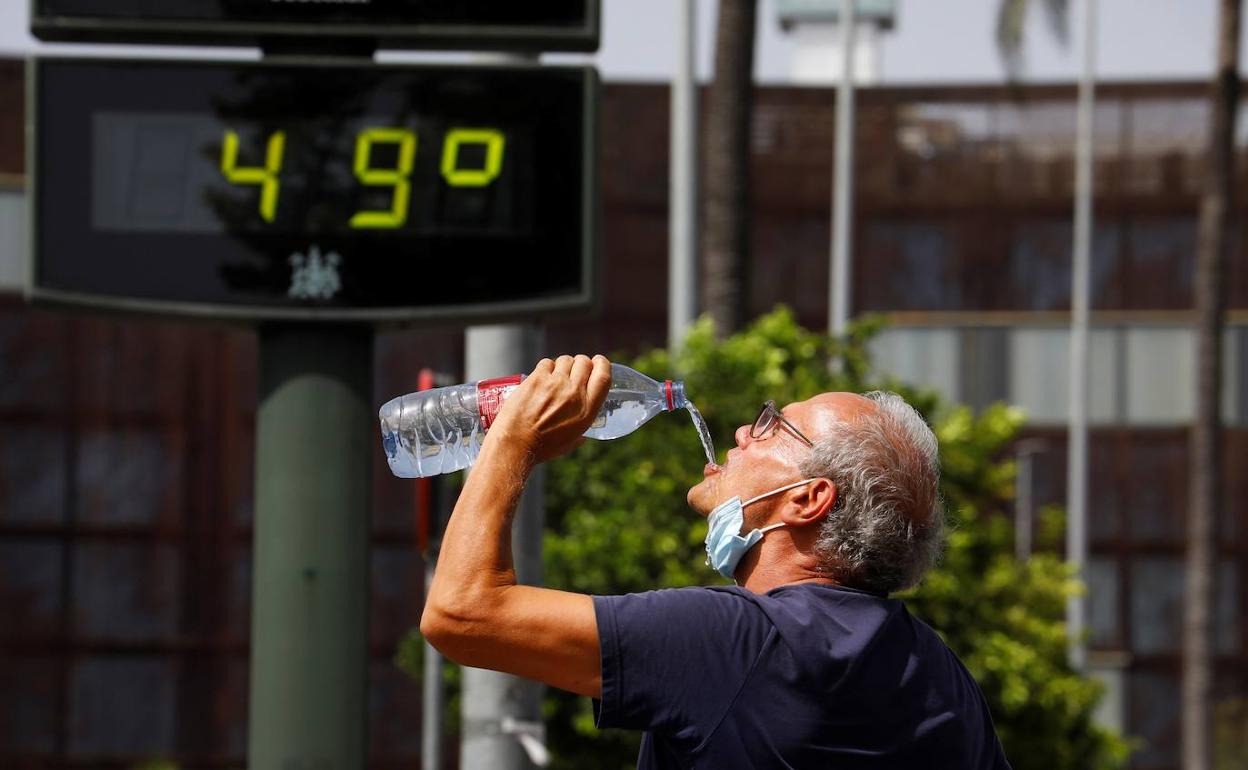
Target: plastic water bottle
point(438, 431)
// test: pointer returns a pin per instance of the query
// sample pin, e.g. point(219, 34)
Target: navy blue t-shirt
point(804, 676)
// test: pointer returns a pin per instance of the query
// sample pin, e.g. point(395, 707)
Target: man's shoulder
point(688, 609)
point(683, 596)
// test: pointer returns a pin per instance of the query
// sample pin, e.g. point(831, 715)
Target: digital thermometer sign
point(283, 191)
point(547, 25)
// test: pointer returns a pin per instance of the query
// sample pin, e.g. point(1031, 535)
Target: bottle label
point(491, 394)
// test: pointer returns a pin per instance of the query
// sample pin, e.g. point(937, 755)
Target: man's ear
point(811, 503)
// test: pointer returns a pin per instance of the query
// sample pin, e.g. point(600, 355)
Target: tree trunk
point(1206, 454)
point(726, 228)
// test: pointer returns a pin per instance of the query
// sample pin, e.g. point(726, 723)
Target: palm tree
point(1012, 17)
point(1206, 450)
point(726, 216)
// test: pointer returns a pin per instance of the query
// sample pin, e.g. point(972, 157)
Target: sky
point(934, 41)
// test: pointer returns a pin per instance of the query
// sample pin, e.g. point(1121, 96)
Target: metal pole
point(683, 171)
point(843, 179)
point(309, 639)
point(502, 718)
point(1077, 452)
point(434, 696)
point(1024, 505)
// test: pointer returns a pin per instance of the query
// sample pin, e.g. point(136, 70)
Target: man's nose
point(742, 436)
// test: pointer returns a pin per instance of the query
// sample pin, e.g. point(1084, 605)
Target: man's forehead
point(818, 412)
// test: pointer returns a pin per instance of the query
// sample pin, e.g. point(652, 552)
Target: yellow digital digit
point(397, 177)
point(495, 142)
point(266, 177)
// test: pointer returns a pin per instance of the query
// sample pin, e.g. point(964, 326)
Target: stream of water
point(700, 424)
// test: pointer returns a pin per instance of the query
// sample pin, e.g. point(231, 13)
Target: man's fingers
point(599, 383)
point(544, 366)
point(581, 368)
point(563, 366)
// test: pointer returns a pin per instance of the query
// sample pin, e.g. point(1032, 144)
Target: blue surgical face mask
point(724, 544)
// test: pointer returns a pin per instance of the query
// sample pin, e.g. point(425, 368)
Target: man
point(820, 510)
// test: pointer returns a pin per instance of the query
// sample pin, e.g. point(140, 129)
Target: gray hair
point(887, 527)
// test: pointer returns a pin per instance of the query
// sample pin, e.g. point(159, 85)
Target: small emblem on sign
point(313, 276)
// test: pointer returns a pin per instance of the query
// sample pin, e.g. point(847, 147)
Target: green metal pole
point(309, 639)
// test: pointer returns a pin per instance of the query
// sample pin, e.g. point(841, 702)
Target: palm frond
point(1011, 19)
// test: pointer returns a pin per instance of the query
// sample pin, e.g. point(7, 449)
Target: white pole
point(434, 696)
point(683, 172)
point(1024, 500)
point(501, 726)
point(1077, 451)
point(843, 176)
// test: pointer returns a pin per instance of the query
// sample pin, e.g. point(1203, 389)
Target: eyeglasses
point(770, 419)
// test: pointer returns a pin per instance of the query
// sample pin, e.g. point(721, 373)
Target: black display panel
point(549, 25)
point(283, 191)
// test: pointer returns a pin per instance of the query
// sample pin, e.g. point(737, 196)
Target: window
point(1040, 374)
point(925, 358)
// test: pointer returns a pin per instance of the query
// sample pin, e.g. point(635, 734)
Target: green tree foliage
point(617, 522)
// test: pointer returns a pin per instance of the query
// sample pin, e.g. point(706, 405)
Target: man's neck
point(771, 565)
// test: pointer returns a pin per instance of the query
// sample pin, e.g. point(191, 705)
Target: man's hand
point(548, 414)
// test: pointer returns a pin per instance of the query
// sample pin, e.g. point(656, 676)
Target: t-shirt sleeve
point(674, 660)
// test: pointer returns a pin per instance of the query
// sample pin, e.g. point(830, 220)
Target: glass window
point(34, 354)
point(1039, 265)
point(137, 368)
point(211, 696)
point(127, 476)
point(925, 358)
point(1156, 605)
point(1160, 263)
point(1039, 380)
point(30, 587)
point(1160, 367)
point(1105, 474)
point(1103, 593)
point(985, 366)
point(126, 592)
point(1234, 486)
point(907, 265)
point(1155, 486)
point(1153, 700)
point(122, 705)
point(32, 474)
point(29, 696)
point(1039, 383)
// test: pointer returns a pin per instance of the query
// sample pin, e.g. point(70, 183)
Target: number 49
point(398, 177)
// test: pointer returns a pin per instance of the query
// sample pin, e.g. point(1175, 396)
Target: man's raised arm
point(476, 614)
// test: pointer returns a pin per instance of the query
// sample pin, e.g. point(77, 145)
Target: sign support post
point(309, 647)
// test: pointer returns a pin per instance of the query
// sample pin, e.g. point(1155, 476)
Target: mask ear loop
point(785, 488)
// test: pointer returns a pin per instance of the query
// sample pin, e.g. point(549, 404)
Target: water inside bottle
point(703, 433)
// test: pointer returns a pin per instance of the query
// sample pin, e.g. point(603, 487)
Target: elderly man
point(820, 511)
